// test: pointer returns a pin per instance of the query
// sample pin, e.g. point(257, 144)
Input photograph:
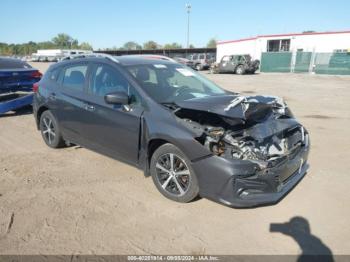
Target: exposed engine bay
point(257, 128)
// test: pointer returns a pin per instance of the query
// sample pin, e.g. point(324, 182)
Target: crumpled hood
point(235, 106)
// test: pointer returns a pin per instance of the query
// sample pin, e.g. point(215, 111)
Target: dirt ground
point(74, 201)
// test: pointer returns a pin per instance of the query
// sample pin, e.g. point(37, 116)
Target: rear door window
point(74, 77)
point(226, 58)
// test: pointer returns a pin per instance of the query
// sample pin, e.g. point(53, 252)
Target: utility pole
point(188, 9)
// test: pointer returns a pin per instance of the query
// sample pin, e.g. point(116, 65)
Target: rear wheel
point(50, 130)
point(173, 175)
point(240, 70)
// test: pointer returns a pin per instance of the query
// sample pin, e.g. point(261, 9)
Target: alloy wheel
point(239, 70)
point(48, 130)
point(173, 174)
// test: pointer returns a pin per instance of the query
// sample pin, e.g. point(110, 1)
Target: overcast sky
point(105, 23)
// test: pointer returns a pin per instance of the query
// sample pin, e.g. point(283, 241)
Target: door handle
point(89, 107)
point(52, 96)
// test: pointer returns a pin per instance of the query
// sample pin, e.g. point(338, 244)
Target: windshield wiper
point(171, 105)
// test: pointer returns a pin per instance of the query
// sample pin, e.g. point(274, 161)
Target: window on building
point(280, 45)
point(285, 44)
point(273, 46)
point(340, 51)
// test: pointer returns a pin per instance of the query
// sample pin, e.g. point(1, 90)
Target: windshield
point(247, 58)
point(171, 83)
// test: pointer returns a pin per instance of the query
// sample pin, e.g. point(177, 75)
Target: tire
point(50, 130)
point(240, 70)
point(168, 180)
point(199, 67)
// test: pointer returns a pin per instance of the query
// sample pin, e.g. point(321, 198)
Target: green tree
point(172, 46)
point(131, 45)
point(211, 43)
point(60, 41)
point(192, 46)
point(64, 41)
point(85, 46)
point(150, 45)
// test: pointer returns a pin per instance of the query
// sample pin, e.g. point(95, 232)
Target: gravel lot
point(74, 201)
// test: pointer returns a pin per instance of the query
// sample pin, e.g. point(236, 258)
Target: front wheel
point(173, 175)
point(199, 67)
point(240, 70)
point(50, 130)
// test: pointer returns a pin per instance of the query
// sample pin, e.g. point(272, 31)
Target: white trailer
point(56, 54)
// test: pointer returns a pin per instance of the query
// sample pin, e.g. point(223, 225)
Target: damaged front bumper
point(242, 183)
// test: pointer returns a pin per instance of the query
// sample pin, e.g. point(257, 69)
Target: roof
point(282, 35)
point(123, 60)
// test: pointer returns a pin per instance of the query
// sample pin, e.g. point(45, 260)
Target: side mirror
point(117, 98)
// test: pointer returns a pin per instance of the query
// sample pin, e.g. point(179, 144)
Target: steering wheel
point(181, 90)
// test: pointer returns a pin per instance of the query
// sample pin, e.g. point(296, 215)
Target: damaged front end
point(256, 135)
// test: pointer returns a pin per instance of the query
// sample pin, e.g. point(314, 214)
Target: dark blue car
point(16, 83)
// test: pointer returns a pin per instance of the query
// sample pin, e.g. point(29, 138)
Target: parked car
point(52, 59)
point(184, 61)
point(239, 64)
point(202, 61)
point(34, 58)
point(191, 136)
point(16, 82)
point(17, 75)
point(42, 59)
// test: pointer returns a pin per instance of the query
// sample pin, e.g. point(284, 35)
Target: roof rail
point(152, 56)
point(88, 55)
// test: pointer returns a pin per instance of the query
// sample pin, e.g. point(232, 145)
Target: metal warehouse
point(320, 52)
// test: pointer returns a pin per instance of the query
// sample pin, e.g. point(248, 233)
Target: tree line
point(61, 41)
point(151, 45)
point(64, 41)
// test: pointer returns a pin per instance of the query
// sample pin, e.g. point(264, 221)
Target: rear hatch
point(16, 75)
point(18, 79)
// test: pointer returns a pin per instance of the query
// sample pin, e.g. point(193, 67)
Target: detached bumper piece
point(13, 101)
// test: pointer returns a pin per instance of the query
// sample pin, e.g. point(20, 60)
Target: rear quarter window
point(53, 74)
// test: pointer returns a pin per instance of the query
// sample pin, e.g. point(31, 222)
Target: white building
point(327, 42)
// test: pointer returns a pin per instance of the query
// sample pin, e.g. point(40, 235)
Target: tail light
point(36, 74)
point(36, 87)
